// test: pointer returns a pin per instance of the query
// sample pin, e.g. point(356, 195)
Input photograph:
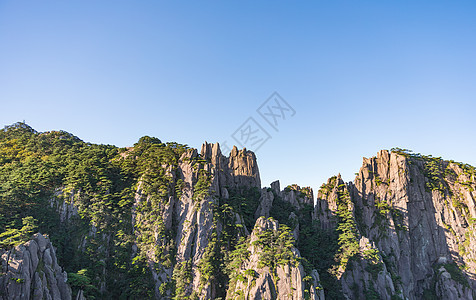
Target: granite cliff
point(31, 271)
point(163, 221)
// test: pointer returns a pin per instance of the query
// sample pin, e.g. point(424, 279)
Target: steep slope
point(161, 220)
point(419, 210)
point(31, 271)
point(402, 230)
point(154, 220)
point(268, 266)
point(196, 225)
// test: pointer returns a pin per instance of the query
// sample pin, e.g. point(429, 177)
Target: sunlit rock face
point(31, 271)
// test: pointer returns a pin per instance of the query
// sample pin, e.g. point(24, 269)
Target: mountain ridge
point(161, 220)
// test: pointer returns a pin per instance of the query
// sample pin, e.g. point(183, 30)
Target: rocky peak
point(31, 271)
point(327, 202)
point(292, 195)
point(239, 169)
point(170, 222)
point(298, 196)
point(275, 186)
point(406, 204)
point(261, 275)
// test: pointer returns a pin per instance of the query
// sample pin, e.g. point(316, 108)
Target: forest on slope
point(160, 220)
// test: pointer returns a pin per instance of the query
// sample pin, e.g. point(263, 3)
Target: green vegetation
point(17, 280)
point(336, 246)
point(456, 274)
point(81, 281)
point(371, 293)
point(347, 229)
point(378, 181)
point(434, 168)
point(281, 211)
point(12, 237)
point(374, 265)
point(301, 191)
point(326, 188)
point(276, 248)
point(312, 237)
point(398, 219)
point(438, 171)
point(37, 169)
point(225, 248)
point(444, 177)
point(435, 172)
point(101, 180)
point(391, 267)
point(235, 259)
point(182, 277)
point(245, 201)
point(124, 195)
point(202, 187)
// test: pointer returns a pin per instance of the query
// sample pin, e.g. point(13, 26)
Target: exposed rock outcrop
point(64, 204)
point(240, 169)
point(166, 221)
point(31, 271)
point(259, 277)
point(410, 230)
point(417, 211)
point(265, 203)
point(201, 180)
point(414, 214)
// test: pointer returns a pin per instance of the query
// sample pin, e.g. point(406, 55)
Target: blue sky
point(360, 75)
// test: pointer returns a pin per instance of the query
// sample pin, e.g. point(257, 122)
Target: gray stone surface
point(288, 282)
point(417, 234)
point(422, 229)
point(30, 271)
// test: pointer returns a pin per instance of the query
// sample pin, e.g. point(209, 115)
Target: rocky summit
point(165, 221)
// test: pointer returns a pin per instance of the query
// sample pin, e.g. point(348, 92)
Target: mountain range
point(164, 221)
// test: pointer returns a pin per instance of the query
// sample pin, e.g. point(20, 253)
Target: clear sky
point(360, 76)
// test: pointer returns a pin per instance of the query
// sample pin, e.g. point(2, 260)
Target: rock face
point(418, 211)
point(204, 228)
point(240, 169)
point(414, 215)
point(206, 216)
point(403, 228)
point(64, 205)
point(258, 278)
point(206, 181)
point(31, 271)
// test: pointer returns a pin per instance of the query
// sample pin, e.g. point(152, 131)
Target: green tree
point(13, 237)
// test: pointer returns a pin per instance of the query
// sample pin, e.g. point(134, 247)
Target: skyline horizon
point(269, 181)
point(350, 78)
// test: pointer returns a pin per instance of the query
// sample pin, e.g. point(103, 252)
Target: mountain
point(165, 221)
point(31, 271)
